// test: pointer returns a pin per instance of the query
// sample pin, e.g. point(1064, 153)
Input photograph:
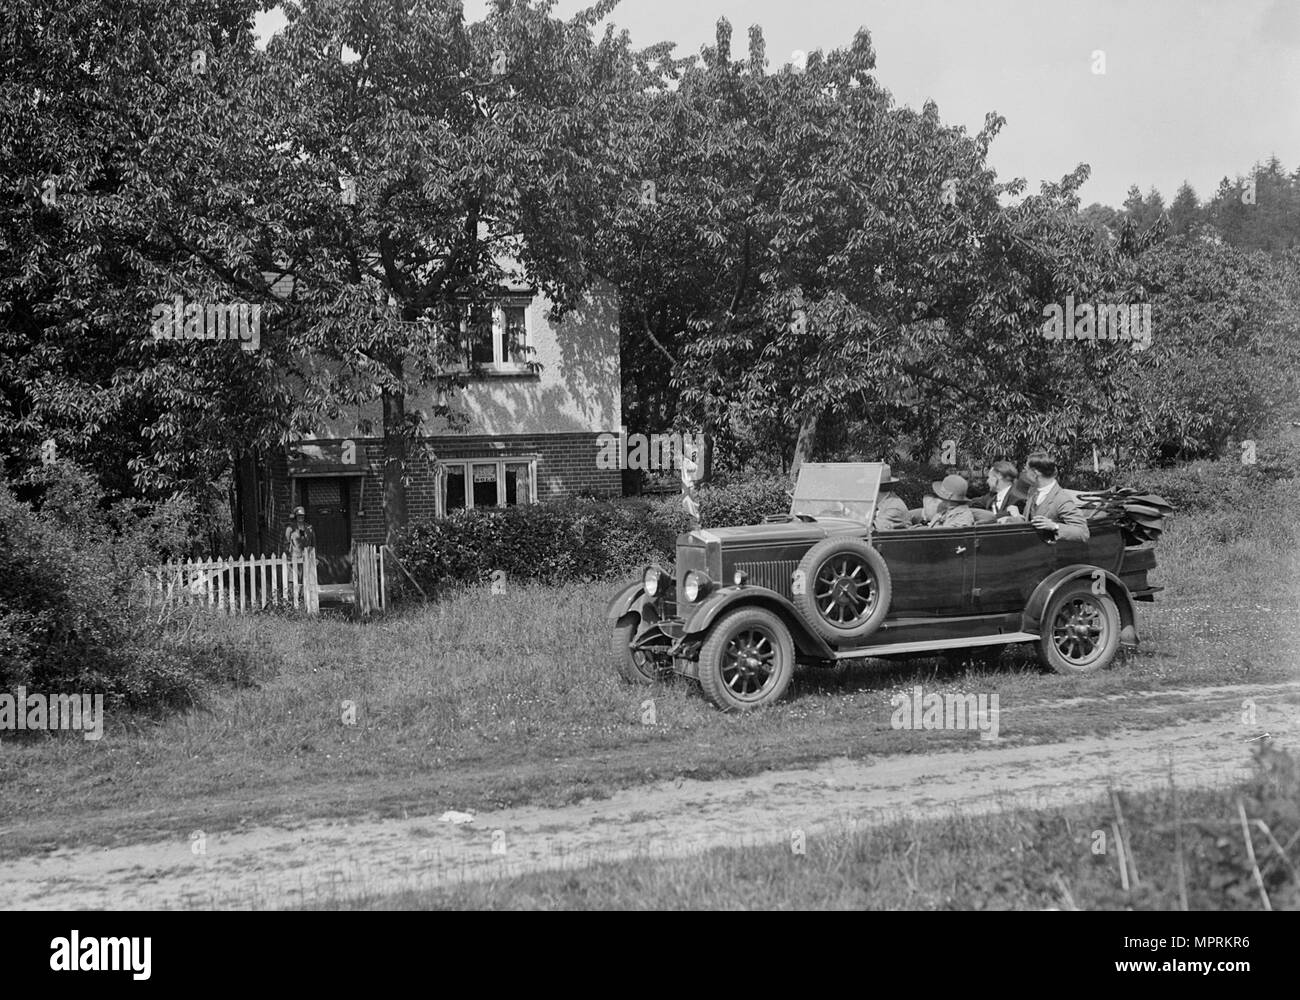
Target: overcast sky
point(1194, 89)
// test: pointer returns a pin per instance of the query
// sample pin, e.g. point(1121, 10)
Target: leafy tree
point(189, 163)
point(800, 230)
point(1224, 360)
point(105, 128)
point(1261, 212)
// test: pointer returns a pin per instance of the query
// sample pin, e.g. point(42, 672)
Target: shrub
point(554, 542)
point(745, 501)
point(66, 623)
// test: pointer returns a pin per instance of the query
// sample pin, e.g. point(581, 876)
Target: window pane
point(480, 336)
point(485, 485)
point(512, 333)
point(453, 488)
point(517, 475)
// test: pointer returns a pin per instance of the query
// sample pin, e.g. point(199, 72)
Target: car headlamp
point(695, 585)
point(651, 579)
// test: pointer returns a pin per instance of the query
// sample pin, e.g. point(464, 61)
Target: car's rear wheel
point(842, 589)
point(639, 666)
point(747, 660)
point(1080, 630)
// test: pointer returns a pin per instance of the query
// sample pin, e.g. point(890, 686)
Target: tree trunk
point(804, 443)
point(395, 451)
point(706, 456)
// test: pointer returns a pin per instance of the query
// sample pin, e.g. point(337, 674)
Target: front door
point(326, 501)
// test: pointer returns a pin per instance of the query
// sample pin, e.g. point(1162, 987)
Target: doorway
point(326, 500)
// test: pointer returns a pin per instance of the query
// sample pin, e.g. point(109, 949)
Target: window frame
point(499, 364)
point(466, 466)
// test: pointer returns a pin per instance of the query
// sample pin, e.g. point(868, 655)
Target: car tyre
point(636, 666)
point(846, 589)
point(747, 660)
point(1080, 630)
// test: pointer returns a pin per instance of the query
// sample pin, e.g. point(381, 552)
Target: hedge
point(573, 540)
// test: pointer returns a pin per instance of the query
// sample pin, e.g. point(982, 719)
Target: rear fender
point(708, 611)
point(1032, 618)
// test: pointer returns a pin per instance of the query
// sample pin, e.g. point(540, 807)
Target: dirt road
point(277, 866)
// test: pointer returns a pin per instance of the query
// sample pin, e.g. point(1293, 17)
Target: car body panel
point(1033, 614)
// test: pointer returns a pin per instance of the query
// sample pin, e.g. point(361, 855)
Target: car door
point(932, 570)
point(1010, 561)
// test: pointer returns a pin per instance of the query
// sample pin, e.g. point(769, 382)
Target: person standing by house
point(299, 535)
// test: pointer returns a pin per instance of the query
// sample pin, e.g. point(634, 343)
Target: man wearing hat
point(891, 512)
point(299, 534)
point(954, 505)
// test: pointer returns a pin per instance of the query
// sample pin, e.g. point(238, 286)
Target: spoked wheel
point(639, 666)
point(1080, 630)
point(747, 660)
point(842, 588)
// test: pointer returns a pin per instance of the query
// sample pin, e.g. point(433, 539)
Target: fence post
point(310, 591)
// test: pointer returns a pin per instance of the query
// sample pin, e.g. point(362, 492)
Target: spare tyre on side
point(842, 589)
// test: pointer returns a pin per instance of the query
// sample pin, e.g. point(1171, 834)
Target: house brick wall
point(566, 466)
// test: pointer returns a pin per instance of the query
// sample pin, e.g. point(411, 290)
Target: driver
point(891, 512)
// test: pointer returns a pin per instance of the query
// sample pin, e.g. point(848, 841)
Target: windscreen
point(837, 489)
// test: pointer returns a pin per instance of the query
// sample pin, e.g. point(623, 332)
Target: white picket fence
point(368, 577)
point(236, 586)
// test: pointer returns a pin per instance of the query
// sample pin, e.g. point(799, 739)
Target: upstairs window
point(497, 336)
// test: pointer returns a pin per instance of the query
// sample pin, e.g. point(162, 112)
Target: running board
point(935, 645)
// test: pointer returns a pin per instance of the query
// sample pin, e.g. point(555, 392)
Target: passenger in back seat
point(1001, 498)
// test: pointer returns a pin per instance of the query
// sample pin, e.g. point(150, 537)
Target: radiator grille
point(774, 574)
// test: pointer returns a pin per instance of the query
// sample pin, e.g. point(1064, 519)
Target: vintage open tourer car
point(818, 586)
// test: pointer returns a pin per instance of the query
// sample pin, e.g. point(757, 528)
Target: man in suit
point(891, 512)
point(1049, 508)
point(1001, 498)
point(954, 505)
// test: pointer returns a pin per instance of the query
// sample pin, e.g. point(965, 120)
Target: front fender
point(627, 599)
point(1032, 617)
point(708, 610)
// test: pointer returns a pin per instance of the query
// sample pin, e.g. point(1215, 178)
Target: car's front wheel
point(747, 660)
point(640, 666)
point(1080, 630)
